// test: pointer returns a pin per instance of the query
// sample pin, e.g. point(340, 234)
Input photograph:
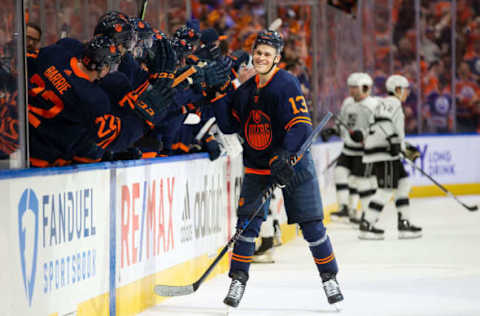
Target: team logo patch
point(258, 130)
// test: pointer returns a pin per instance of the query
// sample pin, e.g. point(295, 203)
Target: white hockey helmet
point(354, 79)
point(396, 81)
point(365, 79)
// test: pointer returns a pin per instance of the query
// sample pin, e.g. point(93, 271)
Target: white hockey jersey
point(356, 116)
point(386, 123)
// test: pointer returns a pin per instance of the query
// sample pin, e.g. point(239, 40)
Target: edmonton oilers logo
point(258, 130)
point(28, 237)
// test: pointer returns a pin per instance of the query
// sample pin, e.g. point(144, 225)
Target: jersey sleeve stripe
point(295, 119)
point(263, 172)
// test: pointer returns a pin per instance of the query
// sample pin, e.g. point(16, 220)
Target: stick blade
point(172, 290)
point(472, 208)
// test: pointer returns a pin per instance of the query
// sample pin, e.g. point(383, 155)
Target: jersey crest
point(258, 130)
point(351, 119)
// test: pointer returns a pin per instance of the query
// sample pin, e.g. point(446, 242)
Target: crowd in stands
point(437, 101)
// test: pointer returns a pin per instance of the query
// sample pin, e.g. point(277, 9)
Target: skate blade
point(370, 236)
point(264, 258)
point(340, 219)
point(338, 307)
point(404, 235)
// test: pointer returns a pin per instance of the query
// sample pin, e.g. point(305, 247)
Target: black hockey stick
point(471, 208)
point(173, 290)
point(143, 9)
point(331, 164)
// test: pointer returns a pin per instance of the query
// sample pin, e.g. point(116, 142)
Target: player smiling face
point(264, 56)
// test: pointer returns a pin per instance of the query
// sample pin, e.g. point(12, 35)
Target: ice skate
point(332, 290)
point(407, 230)
point(237, 288)
point(264, 254)
point(369, 232)
point(341, 215)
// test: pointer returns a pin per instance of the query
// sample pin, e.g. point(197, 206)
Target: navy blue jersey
point(134, 72)
point(68, 113)
point(269, 118)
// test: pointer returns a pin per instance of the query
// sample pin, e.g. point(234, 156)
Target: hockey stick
point(330, 165)
point(173, 290)
point(143, 10)
point(471, 208)
point(205, 128)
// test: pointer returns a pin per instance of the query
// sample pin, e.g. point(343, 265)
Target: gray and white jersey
point(386, 123)
point(356, 116)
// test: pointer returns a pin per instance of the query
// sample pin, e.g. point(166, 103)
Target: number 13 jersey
point(269, 117)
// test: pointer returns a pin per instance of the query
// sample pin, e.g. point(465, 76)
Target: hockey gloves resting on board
point(411, 152)
point(281, 169)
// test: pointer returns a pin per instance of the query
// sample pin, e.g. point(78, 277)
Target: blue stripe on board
point(37, 172)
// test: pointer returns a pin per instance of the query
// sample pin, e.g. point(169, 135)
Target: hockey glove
point(161, 63)
point(153, 104)
point(394, 145)
point(239, 57)
point(217, 73)
point(327, 133)
point(411, 152)
point(213, 149)
point(281, 169)
point(356, 136)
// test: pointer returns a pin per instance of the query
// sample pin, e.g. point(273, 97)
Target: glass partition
point(12, 86)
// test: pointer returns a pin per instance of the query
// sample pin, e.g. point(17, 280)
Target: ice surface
point(436, 275)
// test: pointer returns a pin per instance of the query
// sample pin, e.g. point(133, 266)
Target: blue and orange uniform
point(70, 114)
point(272, 118)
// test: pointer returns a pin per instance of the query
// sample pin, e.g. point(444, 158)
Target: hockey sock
point(315, 234)
point(353, 201)
point(341, 184)
point(366, 190)
point(402, 201)
point(376, 205)
point(244, 247)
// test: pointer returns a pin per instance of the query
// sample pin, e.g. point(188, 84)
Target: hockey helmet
point(142, 29)
point(99, 52)
point(365, 79)
point(183, 40)
point(116, 25)
point(270, 38)
point(396, 81)
point(187, 33)
point(354, 80)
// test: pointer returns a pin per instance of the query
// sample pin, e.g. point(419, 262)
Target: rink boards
point(95, 239)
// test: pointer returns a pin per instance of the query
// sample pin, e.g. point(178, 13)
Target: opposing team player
point(383, 147)
point(270, 113)
point(349, 172)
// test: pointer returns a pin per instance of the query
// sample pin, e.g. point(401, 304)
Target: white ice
point(436, 275)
